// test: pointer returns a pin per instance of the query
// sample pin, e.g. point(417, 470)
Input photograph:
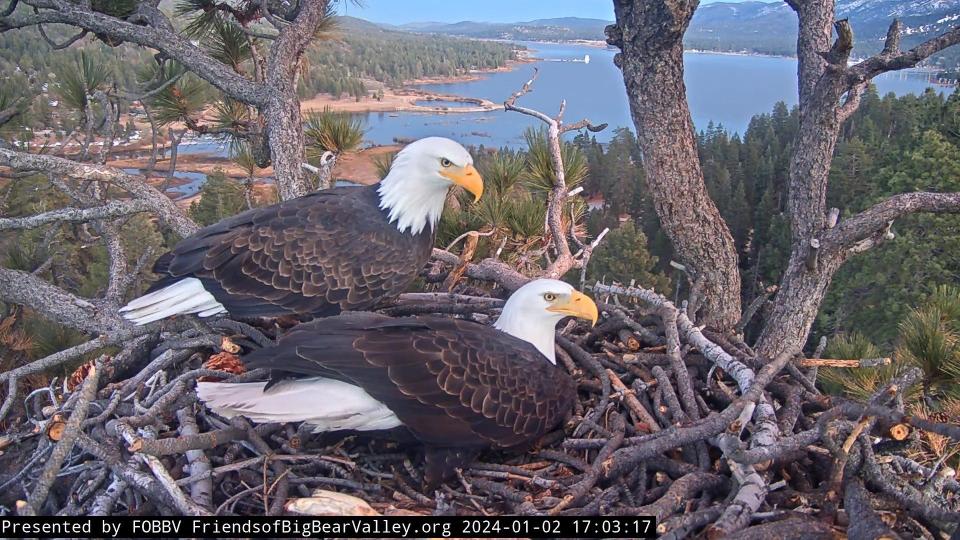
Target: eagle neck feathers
point(412, 198)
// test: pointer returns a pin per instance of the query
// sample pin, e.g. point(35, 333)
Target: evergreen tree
point(220, 197)
point(623, 256)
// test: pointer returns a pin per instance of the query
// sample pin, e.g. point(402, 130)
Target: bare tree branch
point(166, 210)
point(161, 37)
point(891, 60)
point(109, 210)
point(558, 193)
point(56, 304)
point(866, 223)
point(58, 46)
point(13, 110)
point(852, 102)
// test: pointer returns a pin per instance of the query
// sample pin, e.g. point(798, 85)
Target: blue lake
point(725, 89)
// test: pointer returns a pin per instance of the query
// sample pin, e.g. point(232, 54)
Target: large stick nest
point(672, 421)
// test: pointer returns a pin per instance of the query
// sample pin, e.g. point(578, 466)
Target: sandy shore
point(357, 166)
point(404, 99)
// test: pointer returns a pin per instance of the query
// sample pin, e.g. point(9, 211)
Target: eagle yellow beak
point(466, 177)
point(578, 305)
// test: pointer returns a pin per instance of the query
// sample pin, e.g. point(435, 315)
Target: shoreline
point(405, 98)
point(359, 166)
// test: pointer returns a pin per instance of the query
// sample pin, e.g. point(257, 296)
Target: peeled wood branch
point(633, 404)
point(750, 495)
point(843, 362)
point(109, 210)
point(183, 503)
point(891, 416)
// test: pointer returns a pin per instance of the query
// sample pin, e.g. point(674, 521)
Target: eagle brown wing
point(453, 383)
point(328, 251)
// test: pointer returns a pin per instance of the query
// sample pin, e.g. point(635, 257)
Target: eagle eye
point(549, 297)
point(445, 162)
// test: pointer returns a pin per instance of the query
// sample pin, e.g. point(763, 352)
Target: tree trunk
point(285, 136)
point(650, 36)
point(282, 110)
point(809, 271)
point(797, 303)
point(813, 37)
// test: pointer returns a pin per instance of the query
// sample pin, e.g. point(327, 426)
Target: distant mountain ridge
point(753, 26)
point(772, 27)
point(545, 29)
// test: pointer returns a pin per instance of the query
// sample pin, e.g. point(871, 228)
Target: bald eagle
point(341, 249)
point(455, 385)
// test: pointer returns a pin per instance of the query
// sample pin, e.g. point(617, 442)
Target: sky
point(405, 11)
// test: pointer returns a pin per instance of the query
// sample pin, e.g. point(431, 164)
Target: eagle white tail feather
point(325, 404)
point(184, 296)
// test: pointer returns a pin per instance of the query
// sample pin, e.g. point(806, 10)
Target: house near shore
point(596, 202)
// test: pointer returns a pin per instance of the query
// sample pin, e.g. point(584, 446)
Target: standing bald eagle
point(345, 248)
point(456, 385)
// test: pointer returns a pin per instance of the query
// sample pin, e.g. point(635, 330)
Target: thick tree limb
point(109, 210)
point(863, 225)
point(650, 36)
point(165, 209)
point(486, 270)
point(56, 304)
point(890, 60)
point(158, 36)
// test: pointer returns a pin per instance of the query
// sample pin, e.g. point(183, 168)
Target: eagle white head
point(533, 311)
point(415, 189)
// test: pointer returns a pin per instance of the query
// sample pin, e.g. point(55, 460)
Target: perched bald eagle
point(457, 386)
point(345, 248)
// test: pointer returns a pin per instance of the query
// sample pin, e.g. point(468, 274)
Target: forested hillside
point(891, 145)
point(359, 51)
point(367, 51)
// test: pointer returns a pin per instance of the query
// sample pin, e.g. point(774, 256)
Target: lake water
point(724, 89)
point(191, 181)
